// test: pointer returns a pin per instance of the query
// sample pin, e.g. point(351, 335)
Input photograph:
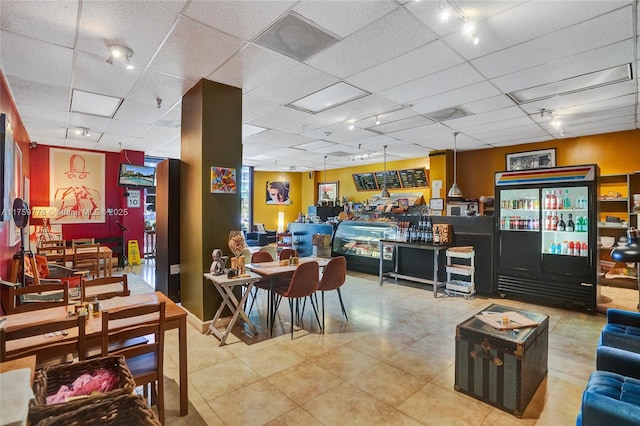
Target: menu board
point(393, 181)
point(365, 181)
point(414, 178)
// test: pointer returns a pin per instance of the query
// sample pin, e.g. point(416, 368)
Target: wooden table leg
point(182, 360)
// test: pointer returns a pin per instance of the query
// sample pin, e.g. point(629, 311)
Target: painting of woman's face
point(278, 193)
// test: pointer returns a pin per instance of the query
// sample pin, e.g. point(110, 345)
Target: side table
point(225, 287)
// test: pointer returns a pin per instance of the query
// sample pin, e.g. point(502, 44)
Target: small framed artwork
point(529, 160)
point(278, 192)
point(330, 188)
point(223, 180)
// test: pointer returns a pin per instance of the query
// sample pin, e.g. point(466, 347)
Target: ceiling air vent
point(448, 113)
point(295, 37)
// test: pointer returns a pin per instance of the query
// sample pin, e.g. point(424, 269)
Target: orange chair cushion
point(41, 264)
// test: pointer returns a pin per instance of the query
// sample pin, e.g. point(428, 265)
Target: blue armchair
point(622, 330)
point(256, 239)
point(610, 398)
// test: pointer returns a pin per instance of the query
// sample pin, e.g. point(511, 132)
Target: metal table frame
point(435, 248)
point(225, 287)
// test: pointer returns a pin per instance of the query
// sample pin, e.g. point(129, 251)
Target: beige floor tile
point(271, 359)
point(344, 362)
point(346, 404)
point(377, 346)
point(419, 363)
point(435, 406)
point(304, 381)
point(296, 417)
point(255, 404)
point(498, 417)
point(388, 383)
point(397, 418)
point(222, 378)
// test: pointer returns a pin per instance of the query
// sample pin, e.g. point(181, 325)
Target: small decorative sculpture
point(219, 262)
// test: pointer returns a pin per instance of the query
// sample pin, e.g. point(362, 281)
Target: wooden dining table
point(272, 270)
point(175, 318)
point(105, 255)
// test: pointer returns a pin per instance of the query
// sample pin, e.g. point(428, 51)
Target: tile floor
point(392, 363)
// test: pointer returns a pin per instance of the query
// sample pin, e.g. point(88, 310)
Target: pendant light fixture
point(385, 191)
point(454, 191)
point(325, 196)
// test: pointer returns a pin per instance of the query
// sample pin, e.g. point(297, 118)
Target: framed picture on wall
point(278, 192)
point(330, 188)
point(542, 159)
point(6, 167)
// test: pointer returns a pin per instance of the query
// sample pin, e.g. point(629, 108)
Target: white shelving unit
point(461, 287)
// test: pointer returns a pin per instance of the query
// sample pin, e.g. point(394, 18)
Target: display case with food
point(359, 242)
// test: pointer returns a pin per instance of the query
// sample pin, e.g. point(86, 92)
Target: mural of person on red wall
point(77, 200)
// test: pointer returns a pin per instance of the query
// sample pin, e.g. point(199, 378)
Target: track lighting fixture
point(120, 52)
point(84, 131)
point(469, 29)
point(377, 121)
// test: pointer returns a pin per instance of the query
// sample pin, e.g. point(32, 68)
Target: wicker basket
point(122, 410)
point(49, 379)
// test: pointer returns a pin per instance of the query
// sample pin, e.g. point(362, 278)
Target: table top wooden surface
point(274, 267)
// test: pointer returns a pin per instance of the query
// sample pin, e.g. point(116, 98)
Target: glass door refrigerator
point(546, 234)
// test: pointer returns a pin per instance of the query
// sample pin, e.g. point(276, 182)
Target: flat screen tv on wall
point(135, 175)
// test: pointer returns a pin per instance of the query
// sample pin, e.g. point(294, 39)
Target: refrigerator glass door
point(564, 222)
point(520, 210)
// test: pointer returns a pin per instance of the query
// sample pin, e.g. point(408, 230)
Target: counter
point(302, 237)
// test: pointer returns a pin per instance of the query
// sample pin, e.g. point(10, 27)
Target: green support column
point(211, 136)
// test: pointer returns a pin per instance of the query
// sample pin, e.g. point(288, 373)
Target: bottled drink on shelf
point(584, 250)
point(547, 200)
point(553, 204)
point(564, 247)
point(567, 200)
point(547, 222)
point(561, 224)
point(571, 247)
point(570, 227)
point(554, 221)
point(429, 231)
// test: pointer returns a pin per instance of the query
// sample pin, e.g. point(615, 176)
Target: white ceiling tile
point(498, 125)
point(386, 38)
point(194, 50)
point(455, 97)
point(306, 124)
point(50, 21)
point(173, 5)
point(440, 82)
point(344, 17)
point(93, 122)
point(521, 141)
point(139, 112)
point(571, 66)
point(253, 108)
point(360, 108)
point(279, 116)
point(489, 104)
point(428, 59)
point(152, 85)
point(36, 114)
point(141, 26)
point(127, 128)
point(57, 71)
point(93, 74)
point(37, 94)
point(251, 67)
point(487, 117)
point(113, 141)
point(243, 19)
point(599, 106)
point(293, 84)
point(602, 31)
point(39, 131)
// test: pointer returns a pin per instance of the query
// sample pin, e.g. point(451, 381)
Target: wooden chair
point(105, 288)
point(82, 241)
point(69, 339)
point(304, 283)
point(54, 250)
point(87, 256)
point(144, 361)
point(333, 277)
point(287, 253)
point(35, 297)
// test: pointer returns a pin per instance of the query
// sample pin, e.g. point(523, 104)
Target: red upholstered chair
point(287, 253)
point(304, 283)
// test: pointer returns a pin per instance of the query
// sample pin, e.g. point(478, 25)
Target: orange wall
point(614, 152)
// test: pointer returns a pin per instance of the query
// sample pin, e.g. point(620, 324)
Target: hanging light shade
point(385, 191)
point(454, 191)
point(325, 195)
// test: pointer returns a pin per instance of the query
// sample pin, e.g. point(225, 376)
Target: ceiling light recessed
point(573, 84)
point(329, 97)
point(295, 37)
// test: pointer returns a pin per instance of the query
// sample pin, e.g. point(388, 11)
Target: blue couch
point(622, 330)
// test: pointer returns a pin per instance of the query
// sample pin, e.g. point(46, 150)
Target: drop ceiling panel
point(310, 146)
point(394, 34)
point(35, 114)
point(31, 67)
point(500, 125)
point(307, 124)
point(253, 108)
point(50, 21)
point(243, 19)
point(113, 141)
point(173, 5)
point(139, 112)
point(141, 26)
point(360, 108)
point(489, 104)
point(293, 84)
point(279, 139)
point(488, 117)
point(93, 74)
point(344, 17)
point(501, 135)
point(127, 128)
point(425, 60)
point(533, 20)
point(571, 66)
point(440, 82)
point(194, 50)
point(93, 122)
point(515, 142)
point(251, 67)
point(152, 85)
point(459, 96)
point(279, 116)
point(39, 131)
point(606, 104)
point(37, 94)
point(602, 31)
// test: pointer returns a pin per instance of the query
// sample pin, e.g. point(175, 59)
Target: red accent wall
point(132, 218)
